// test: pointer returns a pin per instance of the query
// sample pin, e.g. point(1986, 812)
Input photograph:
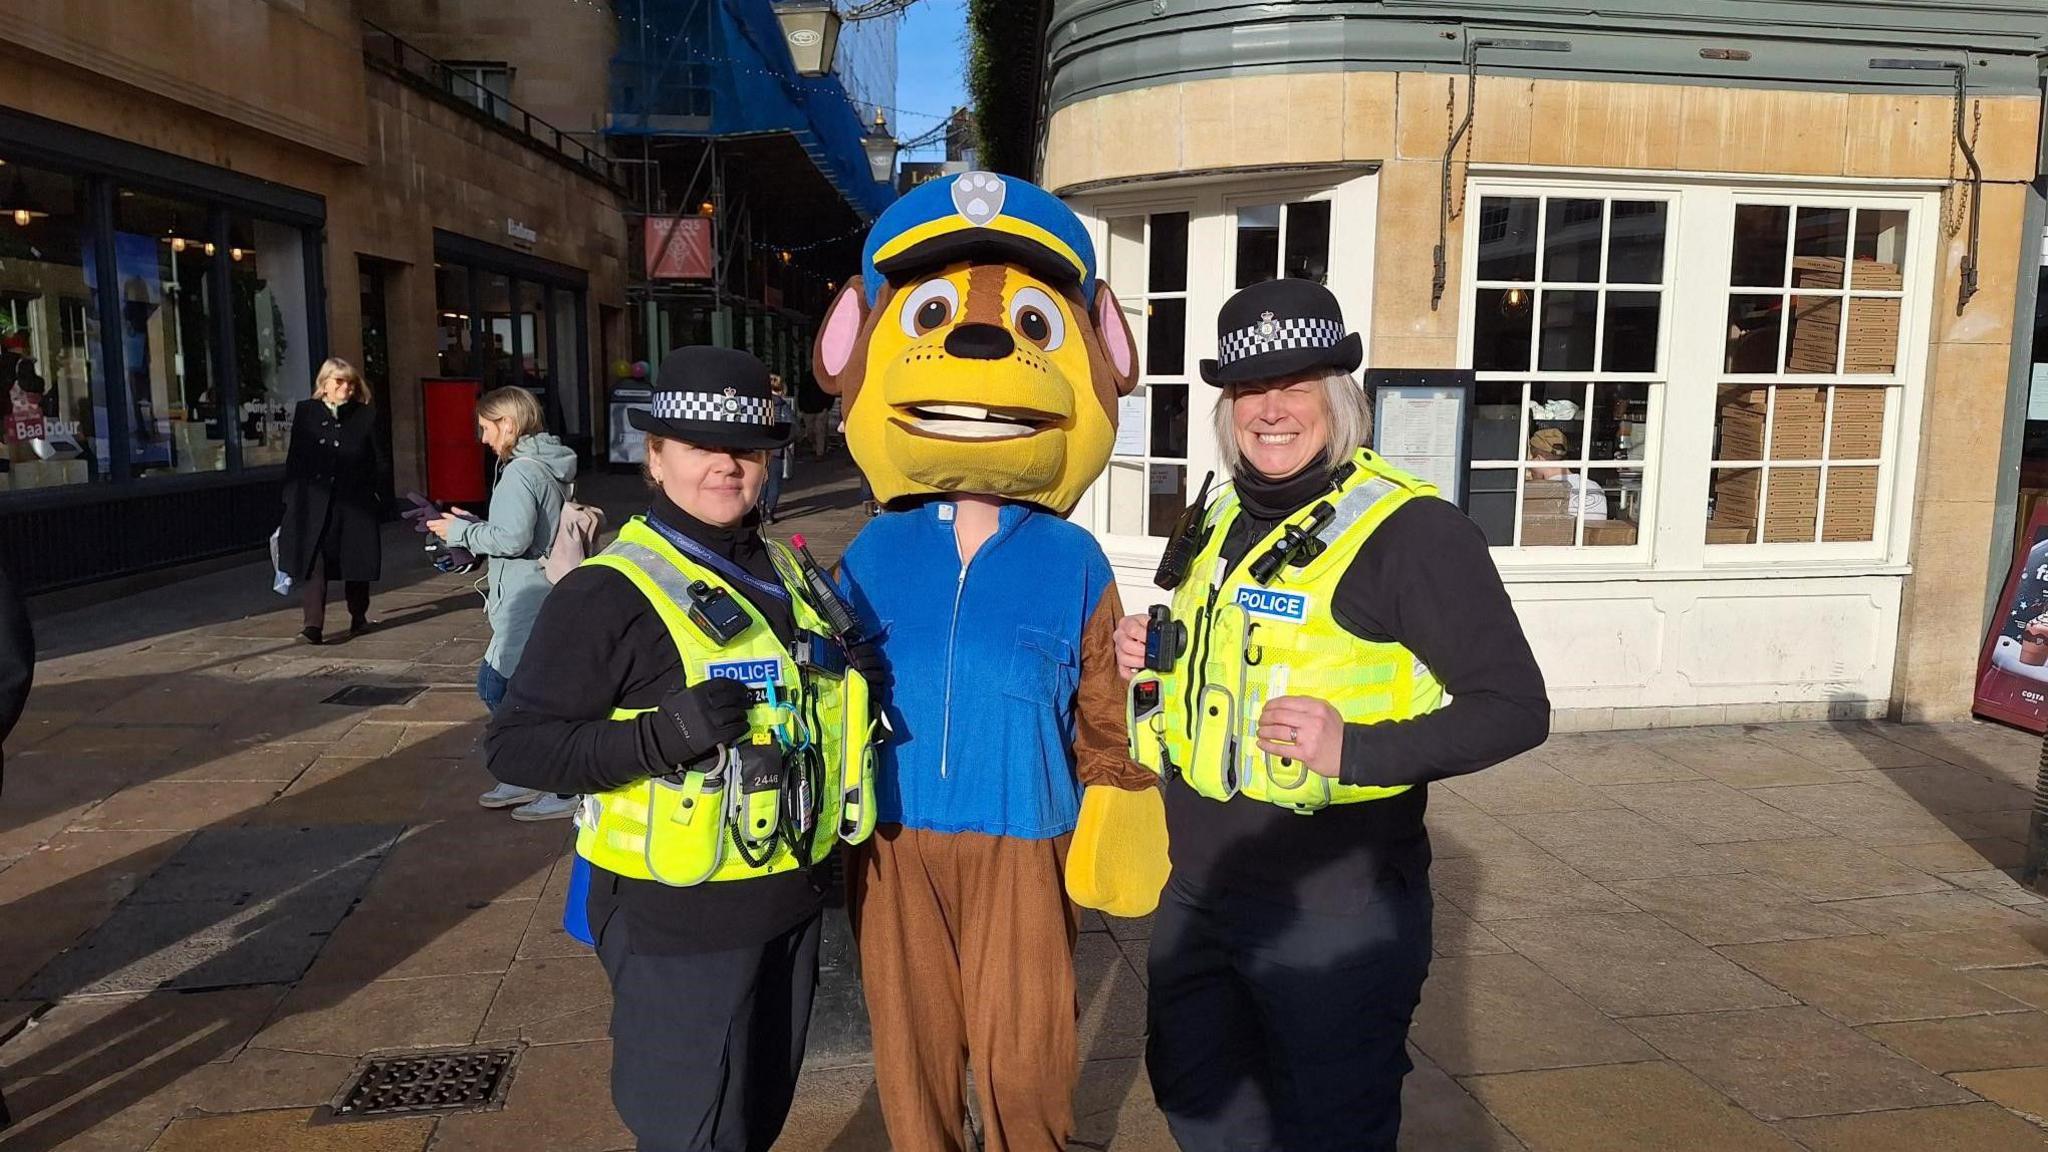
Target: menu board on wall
point(1421, 424)
point(2012, 671)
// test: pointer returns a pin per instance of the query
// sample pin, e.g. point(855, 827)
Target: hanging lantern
point(881, 147)
point(811, 29)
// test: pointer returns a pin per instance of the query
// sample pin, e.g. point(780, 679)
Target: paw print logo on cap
point(979, 197)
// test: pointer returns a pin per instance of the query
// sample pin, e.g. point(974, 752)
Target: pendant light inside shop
point(19, 207)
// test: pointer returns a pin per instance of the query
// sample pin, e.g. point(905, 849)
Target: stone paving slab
point(1762, 938)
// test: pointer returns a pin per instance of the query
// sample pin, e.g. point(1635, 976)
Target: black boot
point(309, 634)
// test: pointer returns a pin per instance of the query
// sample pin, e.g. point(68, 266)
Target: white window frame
point(1212, 205)
point(1678, 456)
point(1903, 385)
point(1656, 381)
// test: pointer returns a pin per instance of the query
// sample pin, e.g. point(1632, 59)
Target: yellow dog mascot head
point(977, 352)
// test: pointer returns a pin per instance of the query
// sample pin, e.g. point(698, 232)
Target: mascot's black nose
point(980, 342)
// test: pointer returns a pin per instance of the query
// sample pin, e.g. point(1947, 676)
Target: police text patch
point(1273, 603)
point(754, 674)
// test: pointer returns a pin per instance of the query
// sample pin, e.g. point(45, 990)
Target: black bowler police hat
point(1278, 328)
point(715, 397)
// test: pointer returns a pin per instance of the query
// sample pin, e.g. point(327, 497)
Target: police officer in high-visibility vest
point(1338, 637)
point(701, 687)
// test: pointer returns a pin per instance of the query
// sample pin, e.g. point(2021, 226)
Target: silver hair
point(1343, 402)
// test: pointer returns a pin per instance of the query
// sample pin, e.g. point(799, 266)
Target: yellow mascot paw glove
point(1117, 861)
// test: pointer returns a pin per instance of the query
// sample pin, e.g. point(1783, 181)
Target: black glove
point(700, 717)
point(865, 657)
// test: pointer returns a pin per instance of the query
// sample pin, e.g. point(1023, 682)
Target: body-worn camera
point(1165, 638)
point(716, 612)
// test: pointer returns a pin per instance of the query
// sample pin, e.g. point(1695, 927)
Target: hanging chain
point(1451, 127)
point(1955, 202)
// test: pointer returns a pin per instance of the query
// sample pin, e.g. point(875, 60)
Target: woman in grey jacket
point(534, 473)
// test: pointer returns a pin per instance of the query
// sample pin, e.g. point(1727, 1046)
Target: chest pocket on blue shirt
point(1041, 667)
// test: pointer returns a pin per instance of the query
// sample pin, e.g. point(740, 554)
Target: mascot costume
point(980, 361)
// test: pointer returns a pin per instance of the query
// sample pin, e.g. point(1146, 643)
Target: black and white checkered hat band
point(712, 408)
point(1277, 336)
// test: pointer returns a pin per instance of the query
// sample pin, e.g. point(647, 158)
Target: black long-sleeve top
point(598, 645)
point(1425, 580)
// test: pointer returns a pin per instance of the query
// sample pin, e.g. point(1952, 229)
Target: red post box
point(456, 468)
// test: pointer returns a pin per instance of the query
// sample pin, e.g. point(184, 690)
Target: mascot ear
point(839, 336)
point(1117, 343)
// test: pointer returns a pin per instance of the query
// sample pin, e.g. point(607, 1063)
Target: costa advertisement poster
point(2012, 672)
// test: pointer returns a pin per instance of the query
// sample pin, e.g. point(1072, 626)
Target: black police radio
point(1186, 539)
point(1165, 638)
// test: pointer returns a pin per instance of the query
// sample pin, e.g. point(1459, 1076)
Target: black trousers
point(357, 593)
point(706, 1047)
point(1275, 1028)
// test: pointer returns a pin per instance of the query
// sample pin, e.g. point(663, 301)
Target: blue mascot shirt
point(986, 663)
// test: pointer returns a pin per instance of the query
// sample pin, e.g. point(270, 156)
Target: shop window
point(165, 259)
point(266, 269)
point(454, 339)
point(568, 377)
point(536, 371)
point(1290, 240)
point(1566, 326)
point(1809, 374)
point(52, 409)
point(1146, 485)
point(495, 354)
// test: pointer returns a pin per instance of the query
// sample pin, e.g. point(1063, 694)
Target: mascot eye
point(929, 307)
point(1036, 318)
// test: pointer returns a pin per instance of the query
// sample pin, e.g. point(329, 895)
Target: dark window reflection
point(1630, 340)
point(1635, 242)
point(1507, 238)
point(1166, 332)
point(1565, 342)
point(1823, 234)
point(1760, 234)
point(1258, 244)
point(1501, 322)
point(1169, 252)
point(1753, 326)
point(1169, 419)
point(1308, 240)
point(1571, 241)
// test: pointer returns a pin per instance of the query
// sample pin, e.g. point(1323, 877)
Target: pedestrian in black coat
point(334, 497)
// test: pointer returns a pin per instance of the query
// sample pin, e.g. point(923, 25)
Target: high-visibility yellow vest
point(1248, 642)
point(696, 825)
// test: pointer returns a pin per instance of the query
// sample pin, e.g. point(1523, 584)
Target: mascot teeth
point(971, 422)
point(956, 411)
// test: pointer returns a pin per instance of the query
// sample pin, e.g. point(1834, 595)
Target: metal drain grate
point(465, 1080)
point(375, 695)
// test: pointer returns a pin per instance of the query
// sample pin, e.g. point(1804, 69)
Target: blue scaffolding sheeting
point(709, 68)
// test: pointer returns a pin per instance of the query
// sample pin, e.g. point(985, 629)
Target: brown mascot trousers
point(966, 952)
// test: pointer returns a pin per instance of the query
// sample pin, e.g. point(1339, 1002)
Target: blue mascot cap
point(977, 214)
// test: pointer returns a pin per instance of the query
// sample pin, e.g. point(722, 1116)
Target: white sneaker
point(549, 807)
point(507, 796)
